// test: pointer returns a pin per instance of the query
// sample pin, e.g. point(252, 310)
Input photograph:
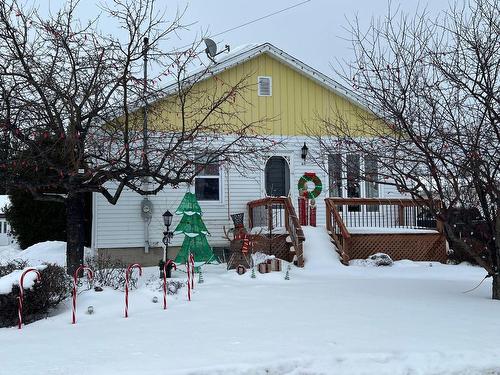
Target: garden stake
point(21, 294)
point(165, 281)
point(127, 275)
point(90, 276)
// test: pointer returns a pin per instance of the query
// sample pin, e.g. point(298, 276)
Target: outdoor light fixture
point(167, 218)
point(167, 236)
point(303, 153)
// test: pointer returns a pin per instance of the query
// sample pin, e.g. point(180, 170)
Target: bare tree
point(431, 91)
point(79, 114)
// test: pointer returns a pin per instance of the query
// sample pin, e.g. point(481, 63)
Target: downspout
point(94, 225)
point(146, 236)
point(228, 196)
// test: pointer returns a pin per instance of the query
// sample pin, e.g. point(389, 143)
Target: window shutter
point(265, 86)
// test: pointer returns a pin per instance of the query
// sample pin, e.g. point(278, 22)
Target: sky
point(314, 31)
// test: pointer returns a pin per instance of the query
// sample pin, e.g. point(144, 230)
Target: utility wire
point(254, 20)
point(261, 18)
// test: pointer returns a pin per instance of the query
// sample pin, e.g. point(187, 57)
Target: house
point(5, 238)
point(298, 96)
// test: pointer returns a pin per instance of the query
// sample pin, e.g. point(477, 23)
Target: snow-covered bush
point(375, 260)
point(156, 284)
point(380, 259)
point(54, 287)
point(16, 264)
point(109, 272)
point(173, 286)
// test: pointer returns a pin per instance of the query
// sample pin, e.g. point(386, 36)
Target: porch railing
point(275, 215)
point(345, 216)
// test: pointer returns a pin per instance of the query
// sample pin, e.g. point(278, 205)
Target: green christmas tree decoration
point(191, 226)
point(195, 232)
point(189, 205)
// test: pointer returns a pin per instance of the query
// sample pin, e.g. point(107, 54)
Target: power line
point(261, 18)
point(253, 21)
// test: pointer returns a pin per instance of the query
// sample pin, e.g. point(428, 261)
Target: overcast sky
point(314, 31)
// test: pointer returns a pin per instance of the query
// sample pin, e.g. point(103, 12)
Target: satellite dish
point(211, 49)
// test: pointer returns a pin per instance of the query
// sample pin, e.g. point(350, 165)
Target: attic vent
point(265, 86)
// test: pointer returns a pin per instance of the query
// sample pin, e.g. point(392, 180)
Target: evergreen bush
point(35, 221)
point(54, 286)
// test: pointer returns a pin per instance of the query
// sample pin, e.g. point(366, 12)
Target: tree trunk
point(496, 277)
point(496, 287)
point(75, 232)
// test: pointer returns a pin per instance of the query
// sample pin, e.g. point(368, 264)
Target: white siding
point(4, 232)
point(121, 225)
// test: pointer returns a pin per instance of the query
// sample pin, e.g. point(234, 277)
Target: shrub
point(109, 272)
point(35, 221)
point(17, 264)
point(53, 288)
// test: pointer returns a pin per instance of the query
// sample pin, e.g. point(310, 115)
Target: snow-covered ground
point(412, 318)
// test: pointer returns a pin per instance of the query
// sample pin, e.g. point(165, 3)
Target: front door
point(277, 177)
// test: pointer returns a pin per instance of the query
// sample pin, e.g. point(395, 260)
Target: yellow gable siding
point(296, 99)
point(297, 102)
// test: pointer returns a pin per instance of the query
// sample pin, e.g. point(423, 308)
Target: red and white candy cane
point(127, 276)
point(90, 276)
point(165, 266)
point(188, 267)
point(21, 294)
point(191, 263)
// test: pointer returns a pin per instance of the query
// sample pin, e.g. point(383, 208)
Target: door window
point(277, 177)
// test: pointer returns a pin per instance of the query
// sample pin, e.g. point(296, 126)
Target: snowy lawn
point(412, 318)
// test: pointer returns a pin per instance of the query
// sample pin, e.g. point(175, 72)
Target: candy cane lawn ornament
point(90, 276)
point(191, 262)
point(165, 266)
point(127, 276)
point(21, 294)
point(188, 267)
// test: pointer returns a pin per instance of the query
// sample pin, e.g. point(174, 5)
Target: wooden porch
point(400, 228)
point(275, 229)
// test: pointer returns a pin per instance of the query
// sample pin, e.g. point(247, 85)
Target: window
point(277, 177)
point(371, 181)
point(265, 86)
point(335, 174)
point(207, 184)
point(348, 172)
point(353, 181)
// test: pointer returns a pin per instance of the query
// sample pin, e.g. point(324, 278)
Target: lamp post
point(167, 236)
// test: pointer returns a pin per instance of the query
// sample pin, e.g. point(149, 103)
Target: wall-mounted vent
point(265, 86)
